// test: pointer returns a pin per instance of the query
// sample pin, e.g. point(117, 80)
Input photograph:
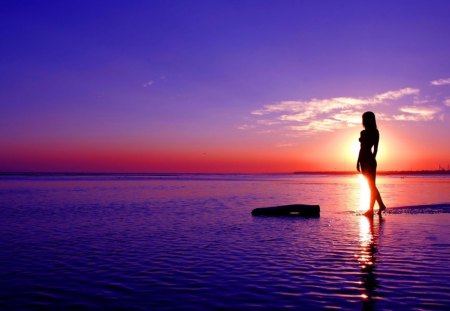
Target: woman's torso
point(368, 139)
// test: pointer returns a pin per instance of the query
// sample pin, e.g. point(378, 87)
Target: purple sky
point(220, 77)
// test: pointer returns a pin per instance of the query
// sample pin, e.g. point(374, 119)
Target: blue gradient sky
point(221, 86)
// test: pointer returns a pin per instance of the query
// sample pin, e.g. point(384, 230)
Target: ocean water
point(189, 242)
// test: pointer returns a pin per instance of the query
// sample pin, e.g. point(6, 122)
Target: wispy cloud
point(447, 102)
point(307, 109)
point(325, 125)
point(148, 83)
point(349, 117)
point(245, 127)
point(394, 95)
point(440, 82)
point(417, 113)
point(324, 115)
point(267, 122)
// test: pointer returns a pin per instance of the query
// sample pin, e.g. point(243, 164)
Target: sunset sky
point(222, 86)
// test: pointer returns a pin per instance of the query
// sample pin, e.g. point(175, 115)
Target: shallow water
point(189, 242)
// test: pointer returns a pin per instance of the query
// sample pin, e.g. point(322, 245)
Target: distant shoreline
point(385, 173)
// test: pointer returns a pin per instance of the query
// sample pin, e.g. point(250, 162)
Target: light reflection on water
point(364, 194)
point(369, 233)
point(145, 243)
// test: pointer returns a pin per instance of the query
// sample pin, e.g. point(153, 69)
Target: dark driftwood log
point(301, 210)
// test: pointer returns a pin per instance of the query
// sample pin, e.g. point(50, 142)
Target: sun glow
point(353, 149)
point(383, 156)
point(364, 194)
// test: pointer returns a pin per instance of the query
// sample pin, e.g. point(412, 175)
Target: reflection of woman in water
point(367, 164)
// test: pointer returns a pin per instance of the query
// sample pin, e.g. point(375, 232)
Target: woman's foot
point(382, 208)
point(369, 213)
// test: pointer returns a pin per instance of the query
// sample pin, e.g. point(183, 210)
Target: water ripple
point(171, 244)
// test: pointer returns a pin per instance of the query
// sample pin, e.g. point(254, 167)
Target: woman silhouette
point(367, 164)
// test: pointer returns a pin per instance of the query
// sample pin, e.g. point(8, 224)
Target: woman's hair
point(368, 120)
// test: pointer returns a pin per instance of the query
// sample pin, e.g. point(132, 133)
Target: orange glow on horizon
point(336, 151)
point(136, 160)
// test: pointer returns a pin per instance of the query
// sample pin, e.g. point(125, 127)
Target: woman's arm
point(375, 145)
point(358, 162)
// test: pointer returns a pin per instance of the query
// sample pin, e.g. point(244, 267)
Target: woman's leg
point(378, 196)
point(380, 202)
point(373, 191)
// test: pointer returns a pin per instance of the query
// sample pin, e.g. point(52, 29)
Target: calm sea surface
point(190, 242)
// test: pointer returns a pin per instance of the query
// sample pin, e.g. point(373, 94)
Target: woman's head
point(368, 120)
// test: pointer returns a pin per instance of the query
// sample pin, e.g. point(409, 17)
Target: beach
point(188, 241)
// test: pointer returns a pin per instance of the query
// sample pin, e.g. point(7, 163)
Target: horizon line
point(324, 172)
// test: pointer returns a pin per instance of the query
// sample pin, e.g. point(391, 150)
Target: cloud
point(447, 102)
point(426, 111)
point(349, 117)
point(324, 115)
point(417, 113)
point(440, 82)
point(245, 127)
point(267, 122)
point(326, 125)
point(394, 95)
point(309, 108)
point(148, 83)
